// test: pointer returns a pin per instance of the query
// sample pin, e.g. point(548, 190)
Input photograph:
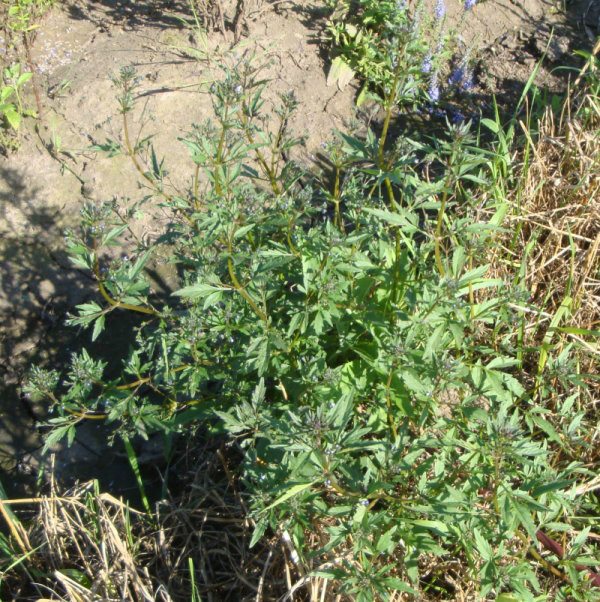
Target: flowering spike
point(426, 64)
point(468, 81)
point(434, 90)
point(440, 9)
point(462, 77)
point(457, 76)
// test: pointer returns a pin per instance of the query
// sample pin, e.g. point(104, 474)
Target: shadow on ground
point(38, 288)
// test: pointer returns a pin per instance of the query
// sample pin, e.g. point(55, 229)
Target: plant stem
point(441, 213)
point(114, 304)
point(388, 384)
point(438, 235)
point(132, 155)
point(236, 283)
point(269, 173)
point(336, 199)
point(386, 124)
point(33, 75)
point(219, 157)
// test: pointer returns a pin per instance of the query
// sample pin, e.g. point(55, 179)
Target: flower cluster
point(440, 9)
point(462, 78)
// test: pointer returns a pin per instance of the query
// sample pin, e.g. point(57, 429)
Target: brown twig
point(33, 75)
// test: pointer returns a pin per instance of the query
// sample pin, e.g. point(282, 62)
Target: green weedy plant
point(18, 18)
point(11, 112)
point(340, 334)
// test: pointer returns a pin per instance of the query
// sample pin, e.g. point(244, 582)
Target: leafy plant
point(395, 49)
point(12, 112)
point(19, 18)
point(20, 15)
point(348, 339)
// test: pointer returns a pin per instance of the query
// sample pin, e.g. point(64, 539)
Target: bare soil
point(79, 43)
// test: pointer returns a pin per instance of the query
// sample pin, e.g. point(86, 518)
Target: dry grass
point(81, 546)
point(87, 546)
point(553, 243)
point(554, 227)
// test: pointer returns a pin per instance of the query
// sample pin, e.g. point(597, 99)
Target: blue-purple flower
point(426, 64)
point(434, 89)
point(462, 77)
point(440, 9)
point(469, 4)
point(457, 117)
point(457, 76)
point(468, 81)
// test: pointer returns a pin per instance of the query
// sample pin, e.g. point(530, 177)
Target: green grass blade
point(136, 471)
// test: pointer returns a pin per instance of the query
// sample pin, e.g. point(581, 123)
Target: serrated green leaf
point(24, 77)
point(138, 266)
point(399, 585)
point(384, 543)
point(290, 493)
point(56, 435)
point(212, 299)
point(502, 362)
point(113, 233)
point(403, 218)
point(13, 117)
point(318, 323)
point(87, 309)
point(483, 546)
point(296, 323)
point(98, 327)
point(524, 515)
point(259, 531)
point(548, 428)
point(412, 380)
point(243, 231)
point(435, 525)
point(199, 290)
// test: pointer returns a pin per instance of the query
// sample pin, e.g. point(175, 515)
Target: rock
point(555, 51)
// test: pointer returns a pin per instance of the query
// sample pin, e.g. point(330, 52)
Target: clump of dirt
point(79, 44)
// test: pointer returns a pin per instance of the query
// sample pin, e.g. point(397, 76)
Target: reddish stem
point(558, 550)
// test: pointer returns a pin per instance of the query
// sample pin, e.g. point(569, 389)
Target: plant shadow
point(39, 289)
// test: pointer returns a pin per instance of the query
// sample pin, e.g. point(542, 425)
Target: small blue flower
point(426, 64)
point(440, 9)
point(462, 77)
point(469, 4)
point(434, 90)
point(468, 81)
point(457, 117)
point(457, 76)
